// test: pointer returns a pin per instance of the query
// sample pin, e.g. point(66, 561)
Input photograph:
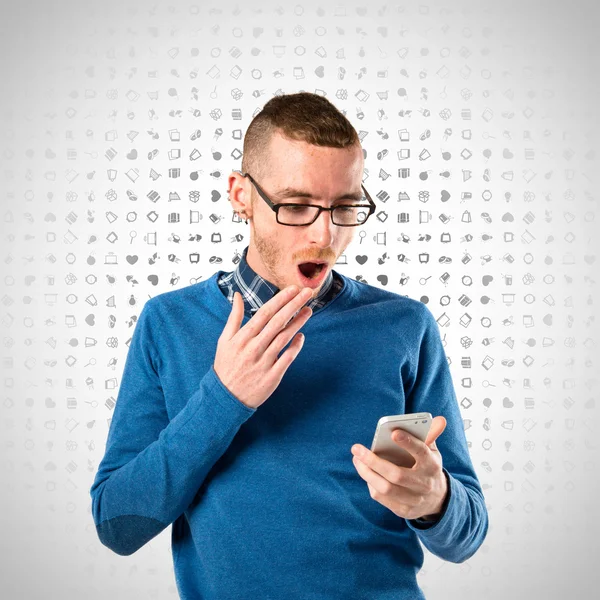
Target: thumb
point(437, 428)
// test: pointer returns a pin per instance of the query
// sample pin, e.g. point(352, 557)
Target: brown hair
point(304, 117)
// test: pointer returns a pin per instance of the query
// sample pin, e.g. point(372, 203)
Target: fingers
point(282, 338)
point(437, 428)
point(236, 316)
point(285, 324)
point(288, 357)
point(272, 319)
point(413, 445)
point(273, 316)
point(390, 472)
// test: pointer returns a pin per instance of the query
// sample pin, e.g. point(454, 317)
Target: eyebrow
point(290, 192)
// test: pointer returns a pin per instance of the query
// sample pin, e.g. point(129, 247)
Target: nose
point(322, 230)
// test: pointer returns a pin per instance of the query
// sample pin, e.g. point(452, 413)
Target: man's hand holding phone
point(247, 360)
point(411, 493)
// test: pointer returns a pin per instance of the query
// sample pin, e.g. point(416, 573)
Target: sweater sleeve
point(462, 525)
point(152, 467)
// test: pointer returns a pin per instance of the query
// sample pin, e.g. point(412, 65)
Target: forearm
point(135, 500)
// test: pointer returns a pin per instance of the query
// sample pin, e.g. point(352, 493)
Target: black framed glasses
point(301, 215)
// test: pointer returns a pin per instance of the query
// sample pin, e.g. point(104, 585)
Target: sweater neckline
point(214, 288)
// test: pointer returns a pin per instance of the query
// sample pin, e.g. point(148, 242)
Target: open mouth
point(311, 270)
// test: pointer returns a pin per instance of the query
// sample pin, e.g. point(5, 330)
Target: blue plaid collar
point(256, 290)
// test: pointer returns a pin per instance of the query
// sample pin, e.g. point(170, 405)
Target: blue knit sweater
point(266, 503)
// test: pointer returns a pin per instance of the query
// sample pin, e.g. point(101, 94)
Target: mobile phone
point(417, 424)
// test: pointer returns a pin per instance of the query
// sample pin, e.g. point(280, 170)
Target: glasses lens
point(350, 215)
point(297, 215)
point(342, 215)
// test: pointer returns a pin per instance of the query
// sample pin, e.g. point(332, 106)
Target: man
point(259, 455)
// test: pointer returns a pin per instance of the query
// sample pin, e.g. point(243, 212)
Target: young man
point(257, 453)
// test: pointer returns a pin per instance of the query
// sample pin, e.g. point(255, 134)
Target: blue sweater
point(266, 503)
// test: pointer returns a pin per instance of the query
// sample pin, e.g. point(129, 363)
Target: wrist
point(439, 507)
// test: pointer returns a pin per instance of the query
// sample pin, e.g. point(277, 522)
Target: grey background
point(78, 77)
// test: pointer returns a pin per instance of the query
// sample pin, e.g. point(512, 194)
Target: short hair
point(303, 117)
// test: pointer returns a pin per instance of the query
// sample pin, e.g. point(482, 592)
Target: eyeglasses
point(300, 215)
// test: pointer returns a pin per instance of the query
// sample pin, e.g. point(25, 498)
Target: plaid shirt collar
point(256, 290)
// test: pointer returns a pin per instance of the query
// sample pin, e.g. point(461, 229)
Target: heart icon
point(362, 259)
point(320, 71)
point(50, 154)
point(50, 403)
point(445, 196)
point(383, 279)
point(132, 154)
point(590, 259)
point(214, 196)
point(548, 319)
point(153, 279)
point(507, 403)
point(131, 259)
point(90, 320)
point(506, 153)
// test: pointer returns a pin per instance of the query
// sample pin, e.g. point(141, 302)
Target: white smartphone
point(417, 424)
